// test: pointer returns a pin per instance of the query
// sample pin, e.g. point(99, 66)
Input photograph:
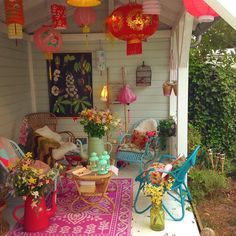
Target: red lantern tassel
point(133, 47)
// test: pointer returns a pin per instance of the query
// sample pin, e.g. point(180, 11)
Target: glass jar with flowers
point(156, 192)
point(96, 124)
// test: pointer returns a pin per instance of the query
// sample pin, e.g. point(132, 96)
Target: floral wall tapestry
point(70, 83)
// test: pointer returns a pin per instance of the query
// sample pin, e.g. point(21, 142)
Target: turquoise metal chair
point(147, 154)
point(179, 190)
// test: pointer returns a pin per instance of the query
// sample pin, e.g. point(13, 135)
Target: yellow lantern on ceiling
point(83, 3)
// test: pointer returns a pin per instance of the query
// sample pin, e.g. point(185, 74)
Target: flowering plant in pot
point(96, 123)
point(156, 193)
point(28, 179)
point(166, 128)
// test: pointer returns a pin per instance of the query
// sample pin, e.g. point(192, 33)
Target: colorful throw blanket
point(42, 149)
point(7, 153)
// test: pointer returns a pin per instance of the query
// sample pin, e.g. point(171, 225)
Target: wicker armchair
point(40, 119)
point(44, 148)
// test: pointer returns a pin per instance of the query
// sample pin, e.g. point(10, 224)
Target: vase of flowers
point(157, 217)
point(96, 124)
point(156, 192)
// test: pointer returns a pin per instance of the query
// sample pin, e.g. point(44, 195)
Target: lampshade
point(83, 3)
point(200, 9)
point(58, 13)
point(14, 18)
point(128, 23)
point(104, 94)
point(126, 95)
point(151, 7)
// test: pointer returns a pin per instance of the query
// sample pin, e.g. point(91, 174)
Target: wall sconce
point(104, 94)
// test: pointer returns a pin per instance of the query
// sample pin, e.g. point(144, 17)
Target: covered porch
point(24, 79)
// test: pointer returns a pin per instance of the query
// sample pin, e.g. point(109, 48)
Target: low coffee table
point(99, 192)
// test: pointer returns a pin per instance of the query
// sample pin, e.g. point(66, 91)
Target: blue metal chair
point(179, 190)
point(131, 154)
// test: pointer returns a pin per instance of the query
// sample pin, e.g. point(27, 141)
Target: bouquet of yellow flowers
point(97, 123)
point(156, 192)
point(28, 179)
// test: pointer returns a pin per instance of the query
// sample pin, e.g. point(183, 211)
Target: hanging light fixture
point(128, 23)
point(199, 9)
point(58, 13)
point(84, 17)
point(14, 18)
point(83, 3)
point(104, 94)
point(151, 7)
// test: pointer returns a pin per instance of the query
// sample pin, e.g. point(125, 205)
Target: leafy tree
point(212, 89)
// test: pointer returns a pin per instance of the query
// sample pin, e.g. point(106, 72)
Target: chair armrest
point(70, 135)
point(121, 138)
point(166, 156)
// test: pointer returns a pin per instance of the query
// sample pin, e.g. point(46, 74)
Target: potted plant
point(167, 88)
point(166, 128)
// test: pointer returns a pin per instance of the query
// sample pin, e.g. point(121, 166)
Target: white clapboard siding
point(15, 99)
point(150, 101)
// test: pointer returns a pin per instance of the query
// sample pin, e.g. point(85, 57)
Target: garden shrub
point(212, 101)
point(207, 184)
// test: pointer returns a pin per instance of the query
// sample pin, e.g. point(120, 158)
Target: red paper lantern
point(84, 16)
point(14, 18)
point(128, 23)
point(200, 9)
point(47, 40)
point(58, 13)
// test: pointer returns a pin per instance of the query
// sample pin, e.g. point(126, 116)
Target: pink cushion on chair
point(139, 139)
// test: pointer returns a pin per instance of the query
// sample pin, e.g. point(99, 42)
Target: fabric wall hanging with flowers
point(70, 87)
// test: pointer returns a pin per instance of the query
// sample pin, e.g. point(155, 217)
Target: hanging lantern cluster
point(151, 7)
point(58, 13)
point(47, 40)
point(14, 18)
point(128, 23)
point(199, 9)
point(84, 17)
point(83, 3)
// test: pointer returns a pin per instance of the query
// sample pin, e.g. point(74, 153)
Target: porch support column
point(182, 38)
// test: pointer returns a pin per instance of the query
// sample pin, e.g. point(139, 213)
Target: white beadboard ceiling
point(37, 13)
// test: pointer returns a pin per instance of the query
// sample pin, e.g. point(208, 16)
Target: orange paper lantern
point(14, 18)
point(128, 23)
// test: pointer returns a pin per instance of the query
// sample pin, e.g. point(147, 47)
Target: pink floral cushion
point(139, 138)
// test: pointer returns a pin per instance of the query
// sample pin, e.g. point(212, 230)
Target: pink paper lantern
point(199, 9)
point(58, 13)
point(84, 17)
point(126, 96)
point(151, 7)
point(47, 40)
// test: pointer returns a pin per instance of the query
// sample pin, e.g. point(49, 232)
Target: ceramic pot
point(157, 218)
point(4, 225)
point(96, 145)
point(167, 89)
point(175, 88)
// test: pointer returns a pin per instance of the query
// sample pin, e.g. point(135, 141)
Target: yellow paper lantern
point(104, 94)
point(83, 3)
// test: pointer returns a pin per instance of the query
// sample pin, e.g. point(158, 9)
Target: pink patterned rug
point(92, 222)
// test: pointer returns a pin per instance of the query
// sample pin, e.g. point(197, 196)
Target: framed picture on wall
point(70, 83)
